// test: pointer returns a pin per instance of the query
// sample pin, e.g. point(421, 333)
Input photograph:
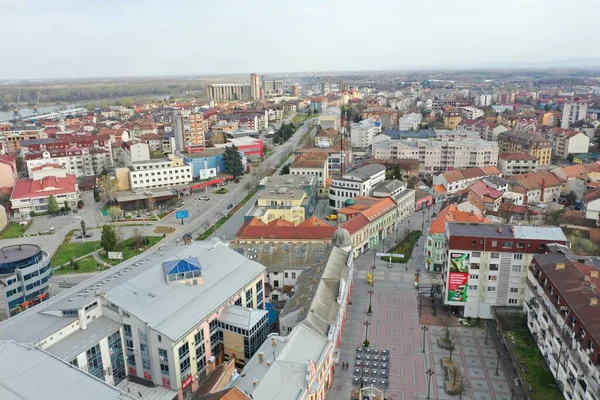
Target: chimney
point(500, 228)
point(593, 301)
point(560, 266)
point(261, 357)
point(512, 229)
point(594, 274)
point(543, 189)
point(273, 342)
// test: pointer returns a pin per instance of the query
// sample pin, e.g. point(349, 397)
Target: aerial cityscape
point(279, 220)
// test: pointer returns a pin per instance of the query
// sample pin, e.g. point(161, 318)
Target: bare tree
point(249, 185)
point(151, 202)
point(450, 338)
point(462, 384)
point(115, 212)
point(108, 186)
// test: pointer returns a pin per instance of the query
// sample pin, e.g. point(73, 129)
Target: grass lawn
point(210, 231)
point(164, 229)
point(405, 247)
point(129, 250)
point(66, 251)
point(86, 264)
point(299, 118)
point(220, 191)
point(13, 231)
point(532, 365)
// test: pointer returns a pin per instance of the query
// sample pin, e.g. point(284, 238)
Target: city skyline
point(117, 39)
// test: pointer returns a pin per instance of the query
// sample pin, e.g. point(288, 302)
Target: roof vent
point(261, 357)
point(593, 301)
point(594, 274)
point(269, 363)
point(560, 266)
point(255, 382)
point(500, 229)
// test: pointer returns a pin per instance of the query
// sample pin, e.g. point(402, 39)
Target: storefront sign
point(186, 382)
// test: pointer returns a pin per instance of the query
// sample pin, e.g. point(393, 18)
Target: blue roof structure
point(181, 266)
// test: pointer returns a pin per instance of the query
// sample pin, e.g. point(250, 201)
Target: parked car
point(204, 198)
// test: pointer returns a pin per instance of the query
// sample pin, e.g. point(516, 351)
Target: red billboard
point(457, 286)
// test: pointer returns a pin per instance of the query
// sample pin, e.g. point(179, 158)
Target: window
point(507, 245)
point(494, 243)
point(159, 338)
point(184, 358)
point(164, 361)
point(520, 245)
point(491, 288)
point(516, 268)
point(474, 265)
point(512, 301)
point(127, 330)
point(276, 284)
point(495, 255)
point(472, 287)
point(473, 276)
point(493, 267)
point(476, 254)
point(517, 256)
point(286, 275)
point(492, 278)
point(514, 290)
point(94, 361)
point(293, 275)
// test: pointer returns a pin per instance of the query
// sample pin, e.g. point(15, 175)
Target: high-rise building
point(190, 129)
point(272, 88)
point(255, 87)
point(229, 91)
point(295, 90)
point(343, 86)
point(572, 112)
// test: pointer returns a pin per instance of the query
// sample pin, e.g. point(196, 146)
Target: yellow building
point(548, 119)
point(451, 120)
point(519, 141)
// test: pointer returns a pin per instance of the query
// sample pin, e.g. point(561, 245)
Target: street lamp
point(429, 375)
point(370, 309)
point(497, 363)
point(424, 329)
point(512, 394)
point(367, 323)
point(486, 333)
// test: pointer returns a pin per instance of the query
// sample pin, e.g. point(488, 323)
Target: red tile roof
point(517, 156)
point(50, 185)
point(255, 229)
point(453, 214)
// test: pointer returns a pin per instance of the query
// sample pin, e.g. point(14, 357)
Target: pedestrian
point(347, 365)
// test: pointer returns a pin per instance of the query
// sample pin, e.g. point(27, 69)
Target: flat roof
point(27, 372)
point(216, 151)
point(17, 252)
point(139, 286)
point(506, 231)
point(242, 317)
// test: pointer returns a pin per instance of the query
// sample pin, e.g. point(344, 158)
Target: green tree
point(52, 204)
point(20, 163)
point(108, 185)
point(109, 240)
point(412, 182)
point(83, 227)
point(66, 206)
point(571, 197)
point(232, 160)
point(285, 170)
point(396, 172)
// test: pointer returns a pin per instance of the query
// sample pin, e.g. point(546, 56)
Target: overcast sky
point(84, 38)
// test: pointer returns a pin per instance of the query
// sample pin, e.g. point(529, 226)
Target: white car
point(204, 198)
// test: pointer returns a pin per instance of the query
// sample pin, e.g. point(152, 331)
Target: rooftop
point(49, 185)
point(277, 257)
point(506, 231)
point(40, 375)
point(453, 214)
point(212, 152)
point(242, 317)
point(17, 252)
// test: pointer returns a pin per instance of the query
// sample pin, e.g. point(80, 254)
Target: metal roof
point(506, 231)
point(27, 372)
point(242, 317)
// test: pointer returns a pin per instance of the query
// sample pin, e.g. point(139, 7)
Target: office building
point(154, 318)
point(160, 172)
point(25, 272)
point(32, 195)
point(255, 93)
point(229, 92)
point(561, 304)
point(359, 182)
point(573, 111)
point(486, 264)
point(517, 163)
point(520, 141)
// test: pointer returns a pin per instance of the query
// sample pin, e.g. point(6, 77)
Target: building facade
point(159, 173)
point(517, 163)
point(363, 132)
point(520, 141)
point(487, 264)
point(356, 183)
point(573, 112)
point(229, 91)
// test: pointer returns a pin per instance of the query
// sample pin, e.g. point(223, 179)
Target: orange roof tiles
point(575, 171)
point(439, 189)
point(453, 214)
point(517, 156)
point(491, 170)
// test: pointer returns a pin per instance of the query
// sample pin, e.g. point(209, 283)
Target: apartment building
point(363, 132)
point(80, 155)
point(388, 117)
point(312, 164)
point(135, 320)
point(291, 198)
point(438, 155)
point(487, 264)
point(32, 195)
point(230, 91)
point(356, 183)
point(517, 163)
point(8, 171)
point(158, 173)
point(338, 159)
point(190, 131)
point(452, 182)
point(561, 304)
point(573, 111)
point(570, 142)
point(537, 187)
point(520, 141)
point(471, 112)
point(11, 139)
point(410, 122)
point(452, 120)
point(397, 191)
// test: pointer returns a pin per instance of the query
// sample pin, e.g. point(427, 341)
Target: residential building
point(190, 131)
point(312, 164)
point(410, 122)
point(317, 316)
point(141, 127)
point(517, 163)
point(435, 248)
point(573, 112)
point(438, 155)
point(387, 116)
point(520, 141)
point(422, 199)
point(482, 100)
point(538, 187)
point(255, 92)
point(452, 120)
point(570, 142)
point(154, 141)
point(8, 171)
point(338, 159)
point(292, 198)
point(575, 178)
point(203, 162)
point(356, 183)
point(591, 204)
point(403, 197)
point(487, 264)
point(11, 139)
point(135, 319)
point(452, 182)
point(57, 380)
point(31, 195)
point(159, 173)
point(25, 273)
point(230, 91)
point(135, 151)
point(561, 304)
point(318, 104)
point(329, 121)
point(548, 119)
point(471, 112)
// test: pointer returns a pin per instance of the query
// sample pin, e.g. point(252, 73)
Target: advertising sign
point(186, 382)
point(115, 255)
point(208, 173)
point(458, 277)
point(181, 214)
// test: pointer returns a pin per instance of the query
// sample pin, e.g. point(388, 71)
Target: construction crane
point(37, 103)
point(17, 118)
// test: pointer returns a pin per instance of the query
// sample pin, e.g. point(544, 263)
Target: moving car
point(204, 198)
point(332, 217)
